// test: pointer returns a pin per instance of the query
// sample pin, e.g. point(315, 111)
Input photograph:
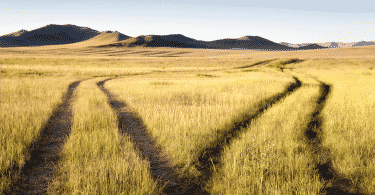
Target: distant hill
point(331, 44)
point(181, 41)
point(174, 40)
point(77, 36)
point(246, 42)
point(49, 35)
point(285, 44)
point(105, 37)
point(312, 46)
point(364, 43)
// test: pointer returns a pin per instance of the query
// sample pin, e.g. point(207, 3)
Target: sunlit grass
point(349, 125)
point(105, 65)
point(271, 157)
point(185, 112)
point(85, 50)
point(96, 159)
point(185, 104)
point(26, 104)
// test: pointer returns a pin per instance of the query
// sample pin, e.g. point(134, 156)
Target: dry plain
point(219, 121)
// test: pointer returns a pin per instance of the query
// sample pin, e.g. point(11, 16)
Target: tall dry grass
point(185, 111)
point(26, 103)
point(271, 157)
point(95, 158)
point(348, 120)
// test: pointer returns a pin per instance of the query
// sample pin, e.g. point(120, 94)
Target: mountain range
point(75, 35)
point(332, 44)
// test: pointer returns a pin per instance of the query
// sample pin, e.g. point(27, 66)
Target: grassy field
point(187, 98)
point(349, 125)
point(96, 159)
point(27, 101)
point(186, 111)
point(270, 157)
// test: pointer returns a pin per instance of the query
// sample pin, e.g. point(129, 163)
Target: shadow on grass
point(281, 64)
point(256, 64)
point(161, 170)
point(203, 75)
point(334, 183)
point(44, 151)
point(209, 158)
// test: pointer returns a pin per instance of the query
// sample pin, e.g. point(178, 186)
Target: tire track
point(161, 170)
point(209, 158)
point(256, 64)
point(313, 133)
point(45, 150)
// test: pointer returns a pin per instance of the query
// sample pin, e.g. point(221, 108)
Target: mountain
point(105, 37)
point(181, 41)
point(246, 42)
point(49, 35)
point(331, 44)
point(311, 46)
point(174, 40)
point(77, 36)
point(363, 43)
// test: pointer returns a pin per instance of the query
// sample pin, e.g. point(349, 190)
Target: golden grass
point(27, 101)
point(185, 103)
point(89, 50)
point(270, 157)
point(348, 121)
point(112, 67)
point(184, 112)
point(96, 159)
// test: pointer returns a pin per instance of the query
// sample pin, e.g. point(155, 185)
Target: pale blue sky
point(276, 20)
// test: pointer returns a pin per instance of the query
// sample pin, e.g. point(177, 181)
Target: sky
point(294, 22)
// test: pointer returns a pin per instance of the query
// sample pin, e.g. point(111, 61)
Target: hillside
point(105, 37)
point(75, 36)
point(181, 41)
point(246, 42)
point(49, 35)
point(174, 40)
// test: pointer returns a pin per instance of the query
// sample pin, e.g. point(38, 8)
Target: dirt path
point(161, 169)
point(209, 158)
point(334, 183)
point(256, 64)
point(45, 150)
